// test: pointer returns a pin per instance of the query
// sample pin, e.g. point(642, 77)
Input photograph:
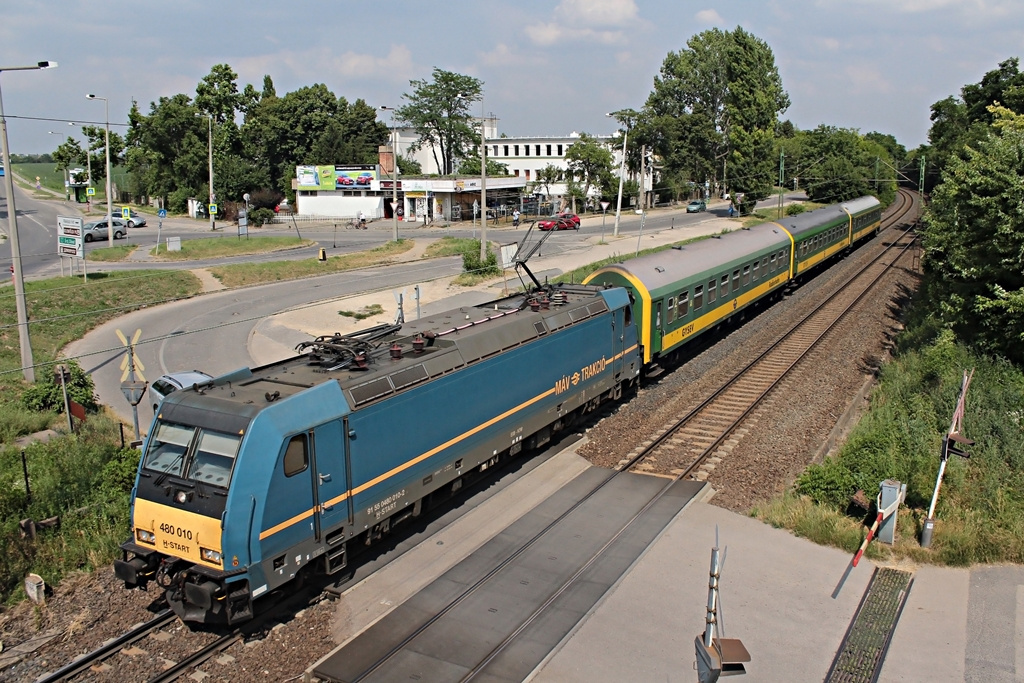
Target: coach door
point(330, 478)
point(658, 321)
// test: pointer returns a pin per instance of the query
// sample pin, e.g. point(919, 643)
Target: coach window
point(671, 309)
point(698, 297)
point(683, 304)
point(774, 264)
point(735, 280)
point(712, 291)
point(764, 265)
point(725, 285)
point(746, 275)
point(755, 271)
point(296, 457)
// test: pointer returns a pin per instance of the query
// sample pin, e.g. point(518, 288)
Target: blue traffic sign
point(162, 213)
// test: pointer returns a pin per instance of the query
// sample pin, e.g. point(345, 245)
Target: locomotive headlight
point(209, 555)
point(145, 536)
point(180, 497)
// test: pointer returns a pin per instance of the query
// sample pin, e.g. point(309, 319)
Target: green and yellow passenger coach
point(680, 293)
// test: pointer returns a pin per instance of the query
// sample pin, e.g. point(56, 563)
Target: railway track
point(692, 446)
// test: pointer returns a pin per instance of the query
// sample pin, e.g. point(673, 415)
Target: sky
point(548, 67)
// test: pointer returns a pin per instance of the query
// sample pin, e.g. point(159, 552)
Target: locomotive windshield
point(194, 453)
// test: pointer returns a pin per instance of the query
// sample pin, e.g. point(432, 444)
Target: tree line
point(711, 124)
point(973, 233)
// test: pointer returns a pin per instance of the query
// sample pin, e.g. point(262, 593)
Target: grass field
point(52, 179)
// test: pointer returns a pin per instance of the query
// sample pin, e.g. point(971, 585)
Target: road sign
point(213, 209)
point(90, 191)
point(69, 237)
point(130, 363)
point(134, 391)
point(126, 213)
point(162, 213)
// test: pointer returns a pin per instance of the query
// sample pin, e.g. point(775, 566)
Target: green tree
point(471, 166)
point(974, 240)
point(68, 153)
point(589, 162)
point(438, 110)
point(754, 101)
point(548, 176)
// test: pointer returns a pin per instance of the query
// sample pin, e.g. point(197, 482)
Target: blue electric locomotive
point(254, 477)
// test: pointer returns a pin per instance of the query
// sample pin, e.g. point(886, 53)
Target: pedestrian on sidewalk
point(515, 218)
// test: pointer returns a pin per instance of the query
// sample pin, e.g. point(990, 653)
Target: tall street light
point(626, 117)
point(106, 145)
point(394, 174)
point(483, 186)
point(213, 218)
point(12, 228)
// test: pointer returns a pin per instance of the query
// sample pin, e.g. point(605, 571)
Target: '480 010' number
point(177, 531)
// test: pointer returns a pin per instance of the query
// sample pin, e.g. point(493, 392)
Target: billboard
point(338, 177)
point(355, 177)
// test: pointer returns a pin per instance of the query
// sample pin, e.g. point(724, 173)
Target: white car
point(167, 384)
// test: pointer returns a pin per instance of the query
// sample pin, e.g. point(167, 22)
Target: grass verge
point(112, 254)
point(980, 513)
point(242, 274)
point(228, 245)
point(62, 310)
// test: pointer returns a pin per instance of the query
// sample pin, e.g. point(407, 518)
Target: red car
point(364, 179)
point(561, 221)
point(345, 180)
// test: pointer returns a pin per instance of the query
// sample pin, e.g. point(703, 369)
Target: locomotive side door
point(330, 473)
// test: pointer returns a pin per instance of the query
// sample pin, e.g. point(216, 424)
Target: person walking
point(515, 218)
point(362, 220)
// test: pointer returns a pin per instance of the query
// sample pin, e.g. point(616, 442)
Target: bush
point(471, 262)
point(258, 217)
point(46, 394)
point(265, 199)
point(795, 209)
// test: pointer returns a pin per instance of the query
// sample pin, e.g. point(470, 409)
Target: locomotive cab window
point(296, 456)
point(214, 458)
point(167, 448)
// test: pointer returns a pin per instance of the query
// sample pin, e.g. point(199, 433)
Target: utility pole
point(643, 163)
point(782, 177)
point(483, 186)
point(920, 184)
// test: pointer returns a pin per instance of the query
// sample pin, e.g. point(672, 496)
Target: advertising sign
point(357, 177)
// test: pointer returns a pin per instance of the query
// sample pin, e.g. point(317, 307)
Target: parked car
point(136, 220)
point(696, 205)
point(97, 230)
point(170, 383)
point(560, 221)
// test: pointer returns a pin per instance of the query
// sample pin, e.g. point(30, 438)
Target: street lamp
point(483, 186)
point(12, 226)
point(213, 219)
point(106, 146)
point(394, 174)
point(626, 118)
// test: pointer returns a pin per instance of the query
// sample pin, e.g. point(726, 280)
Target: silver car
point(170, 383)
point(134, 220)
point(97, 230)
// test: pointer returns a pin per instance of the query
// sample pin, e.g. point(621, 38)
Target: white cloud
point(597, 12)
point(709, 17)
point(586, 20)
